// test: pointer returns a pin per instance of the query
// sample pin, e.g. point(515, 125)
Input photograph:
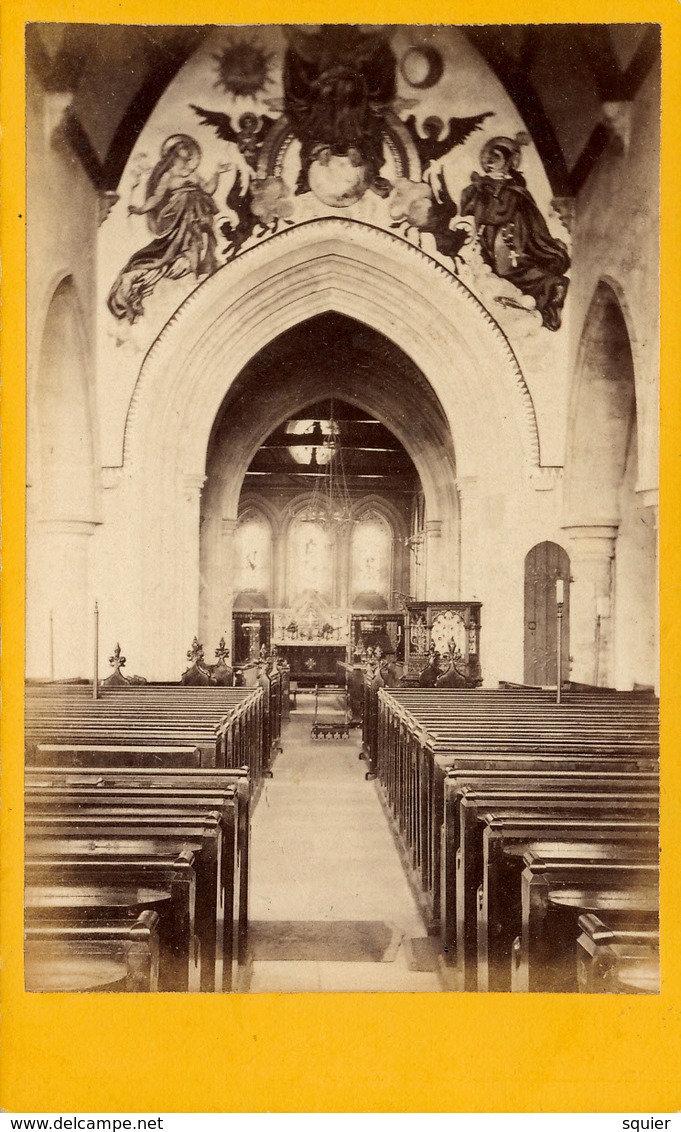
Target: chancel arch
point(322, 268)
point(289, 470)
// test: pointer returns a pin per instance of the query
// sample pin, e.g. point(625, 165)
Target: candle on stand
point(560, 597)
point(95, 665)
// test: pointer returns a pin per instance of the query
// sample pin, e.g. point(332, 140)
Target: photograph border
point(344, 1052)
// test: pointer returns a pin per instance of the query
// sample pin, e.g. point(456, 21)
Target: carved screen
point(253, 555)
point(310, 559)
point(371, 554)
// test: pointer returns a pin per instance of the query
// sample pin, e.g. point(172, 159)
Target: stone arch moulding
point(646, 386)
point(603, 405)
point(386, 510)
point(332, 264)
point(355, 269)
point(254, 505)
point(62, 279)
point(46, 289)
point(61, 405)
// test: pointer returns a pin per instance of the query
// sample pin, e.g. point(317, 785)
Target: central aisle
point(331, 909)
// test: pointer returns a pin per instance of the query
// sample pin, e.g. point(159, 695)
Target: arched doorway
point(545, 565)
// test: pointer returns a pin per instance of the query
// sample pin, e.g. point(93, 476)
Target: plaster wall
point(616, 239)
point(62, 452)
point(634, 609)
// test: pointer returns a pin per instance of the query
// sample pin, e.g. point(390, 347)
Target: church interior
point(341, 508)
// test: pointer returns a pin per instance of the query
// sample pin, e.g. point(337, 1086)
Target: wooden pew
point(62, 956)
point(555, 892)
point(111, 755)
point(507, 786)
point(168, 731)
point(505, 842)
point(444, 776)
point(421, 733)
point(72, 834)
point(171, 784)
point(224, 724)
point(122, 887)
point(617, 960)
point(174, 803)
point(520, 774)
point(605, 803)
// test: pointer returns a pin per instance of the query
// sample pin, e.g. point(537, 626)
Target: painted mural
point(179, 209)
point(339, 121)
point(512, 233)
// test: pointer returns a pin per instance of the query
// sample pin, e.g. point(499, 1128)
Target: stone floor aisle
point(326, 879)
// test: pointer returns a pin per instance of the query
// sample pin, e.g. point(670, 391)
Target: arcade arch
point(611, 528)
point(61, 497)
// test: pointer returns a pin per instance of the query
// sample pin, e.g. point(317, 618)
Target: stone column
point(278, 571)
point(437, 585)
point(592, 550)
point(227, 580)
point(468, 488)
point(650, 497)
point(187, 574)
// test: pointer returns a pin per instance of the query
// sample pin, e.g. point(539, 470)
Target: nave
point(323, 856)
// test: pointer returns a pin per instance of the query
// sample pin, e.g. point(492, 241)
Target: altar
point(314, 638)
point(314, 662)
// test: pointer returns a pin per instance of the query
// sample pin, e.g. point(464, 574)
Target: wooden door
point(544, 564)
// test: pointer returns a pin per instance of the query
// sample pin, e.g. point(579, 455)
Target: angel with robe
point(514, 238)
point(180, 212)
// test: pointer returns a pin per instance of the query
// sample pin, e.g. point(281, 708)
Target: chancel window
point(371, 556)
point(253, 555)
point(310, 559)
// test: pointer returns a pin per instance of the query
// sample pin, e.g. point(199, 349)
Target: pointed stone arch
point(61, 506)
point(327, 265)
point(611, 524)
point(330, 264)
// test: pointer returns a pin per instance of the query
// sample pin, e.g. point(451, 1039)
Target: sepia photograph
point(342, 486)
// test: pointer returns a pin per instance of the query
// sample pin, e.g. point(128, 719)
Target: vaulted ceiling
point(559, 76)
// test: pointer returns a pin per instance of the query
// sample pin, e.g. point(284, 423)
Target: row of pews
point(137, 828)
point(530, 829)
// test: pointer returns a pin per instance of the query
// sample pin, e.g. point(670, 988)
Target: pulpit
point(250, 632)
point(450, 629)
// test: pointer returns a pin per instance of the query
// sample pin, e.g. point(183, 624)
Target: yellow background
point(344, 1052)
